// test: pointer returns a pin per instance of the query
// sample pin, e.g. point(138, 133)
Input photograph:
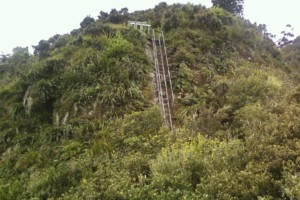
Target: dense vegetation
point(78, 118)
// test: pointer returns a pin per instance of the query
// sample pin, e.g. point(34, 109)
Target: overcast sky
point(26, 22)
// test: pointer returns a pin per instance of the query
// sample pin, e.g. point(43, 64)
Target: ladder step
point(163, 84)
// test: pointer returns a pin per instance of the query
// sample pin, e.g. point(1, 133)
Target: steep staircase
point(162, 77)
point(163, 84)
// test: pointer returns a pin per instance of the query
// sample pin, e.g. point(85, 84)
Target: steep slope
point(78, 119)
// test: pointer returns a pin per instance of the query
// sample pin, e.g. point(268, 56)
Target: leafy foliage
point(234, 6)
point(78, 120)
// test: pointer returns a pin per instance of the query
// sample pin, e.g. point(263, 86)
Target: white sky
point(26, 22)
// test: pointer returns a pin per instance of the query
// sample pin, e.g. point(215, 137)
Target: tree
point(234, 6)
point(118, 16)
point(287, 36)
point(87, 21)
point(161, 6)
point(20, 56)
point(42, 49)
point(296, 42)
point(103, 15)
point(54, 38)
point(159, 14)
point(3, 58)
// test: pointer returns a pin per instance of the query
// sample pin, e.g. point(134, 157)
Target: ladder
point(163, 83)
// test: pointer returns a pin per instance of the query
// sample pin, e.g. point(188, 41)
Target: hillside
point(79, 119)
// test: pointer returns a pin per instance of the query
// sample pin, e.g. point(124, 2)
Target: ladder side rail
point(167, 93)
point(155, 63)
point(167, 63)
point(156, 67)
point(163, 66)
point(166, 87)
point(158, 75)
point(159, 86)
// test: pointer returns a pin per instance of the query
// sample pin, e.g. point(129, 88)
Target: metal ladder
point(164, 88)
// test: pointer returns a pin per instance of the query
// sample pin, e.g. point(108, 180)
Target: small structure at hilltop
point(140, 25)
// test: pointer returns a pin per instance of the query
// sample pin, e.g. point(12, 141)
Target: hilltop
point(79, 119)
